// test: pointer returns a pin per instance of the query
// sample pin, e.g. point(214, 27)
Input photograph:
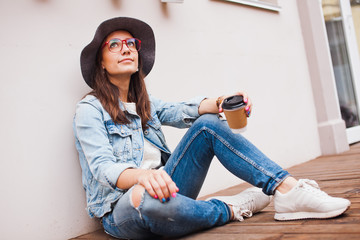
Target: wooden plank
point(297, 227)
point(97, 235)
point(225, 236)
point(274, 236)
point(320, 236)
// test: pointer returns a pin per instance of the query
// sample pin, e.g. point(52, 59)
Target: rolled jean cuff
point(227, 210)
point(274, 183)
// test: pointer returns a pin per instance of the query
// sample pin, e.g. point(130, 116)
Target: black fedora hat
point(135, 27)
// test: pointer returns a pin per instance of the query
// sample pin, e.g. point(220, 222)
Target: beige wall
point(40, 44)
point(356, 17)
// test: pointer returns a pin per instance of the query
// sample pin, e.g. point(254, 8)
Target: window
point(341, 17)
point(265, 4)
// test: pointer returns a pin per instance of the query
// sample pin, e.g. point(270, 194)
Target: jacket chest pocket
point(120, 138)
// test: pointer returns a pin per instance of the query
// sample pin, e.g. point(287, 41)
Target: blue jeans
point(188, 165)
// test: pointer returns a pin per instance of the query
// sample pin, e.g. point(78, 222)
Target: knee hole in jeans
point(136, 195)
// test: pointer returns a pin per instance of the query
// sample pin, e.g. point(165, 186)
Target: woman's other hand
point(158, 184)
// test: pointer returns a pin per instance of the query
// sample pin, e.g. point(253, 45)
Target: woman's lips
point(126, 60)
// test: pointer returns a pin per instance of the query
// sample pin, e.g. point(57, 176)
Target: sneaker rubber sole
point(309, 215)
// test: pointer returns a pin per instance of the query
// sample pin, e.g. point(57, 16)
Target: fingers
point(161, 188)
point(247, 100)
point(220, 108)
point(171, 186)
point(149, 188)
point(248, 107)
point(244, 94)
point(159, 185)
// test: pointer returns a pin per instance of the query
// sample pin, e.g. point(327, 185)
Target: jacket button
point(146, 132)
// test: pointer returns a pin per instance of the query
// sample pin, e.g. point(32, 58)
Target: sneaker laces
point(313, 187)
point(244, 209)
point(239, 213)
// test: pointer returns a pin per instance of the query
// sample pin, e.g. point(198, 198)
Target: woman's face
point(123, 63)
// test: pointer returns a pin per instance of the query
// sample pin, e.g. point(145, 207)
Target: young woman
point(134, 184)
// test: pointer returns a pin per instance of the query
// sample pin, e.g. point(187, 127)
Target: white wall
point(40, 44)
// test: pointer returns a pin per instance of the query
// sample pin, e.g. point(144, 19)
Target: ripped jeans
point(188, 165)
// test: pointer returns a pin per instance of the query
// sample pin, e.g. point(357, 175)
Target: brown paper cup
point(236, 119)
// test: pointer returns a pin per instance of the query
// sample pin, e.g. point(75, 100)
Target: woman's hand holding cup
point(237, 108)
point(246, 99)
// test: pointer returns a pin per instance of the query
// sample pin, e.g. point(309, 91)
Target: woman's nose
point(125, 49)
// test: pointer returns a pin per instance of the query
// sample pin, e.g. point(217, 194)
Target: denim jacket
point(107, 149)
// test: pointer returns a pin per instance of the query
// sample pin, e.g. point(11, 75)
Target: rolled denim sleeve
point(177, 114)
point(92, 136)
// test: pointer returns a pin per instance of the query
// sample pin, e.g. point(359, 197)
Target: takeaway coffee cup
point(234, 110)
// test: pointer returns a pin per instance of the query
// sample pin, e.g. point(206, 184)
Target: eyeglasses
point(115, 45)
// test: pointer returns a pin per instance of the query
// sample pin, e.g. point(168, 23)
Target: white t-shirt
point(152, 155)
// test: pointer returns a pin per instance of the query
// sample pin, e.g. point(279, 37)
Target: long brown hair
point(108, 94)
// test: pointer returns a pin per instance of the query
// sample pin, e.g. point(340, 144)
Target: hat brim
point(135, 27)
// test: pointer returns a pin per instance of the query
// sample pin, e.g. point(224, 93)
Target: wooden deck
point(338, 175)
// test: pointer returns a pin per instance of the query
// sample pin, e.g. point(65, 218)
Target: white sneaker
point(246, 203)
point(306, 200)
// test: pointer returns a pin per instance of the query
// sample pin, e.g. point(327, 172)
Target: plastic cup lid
point(233, 102)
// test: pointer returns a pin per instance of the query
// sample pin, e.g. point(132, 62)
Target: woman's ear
point(102, 64)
